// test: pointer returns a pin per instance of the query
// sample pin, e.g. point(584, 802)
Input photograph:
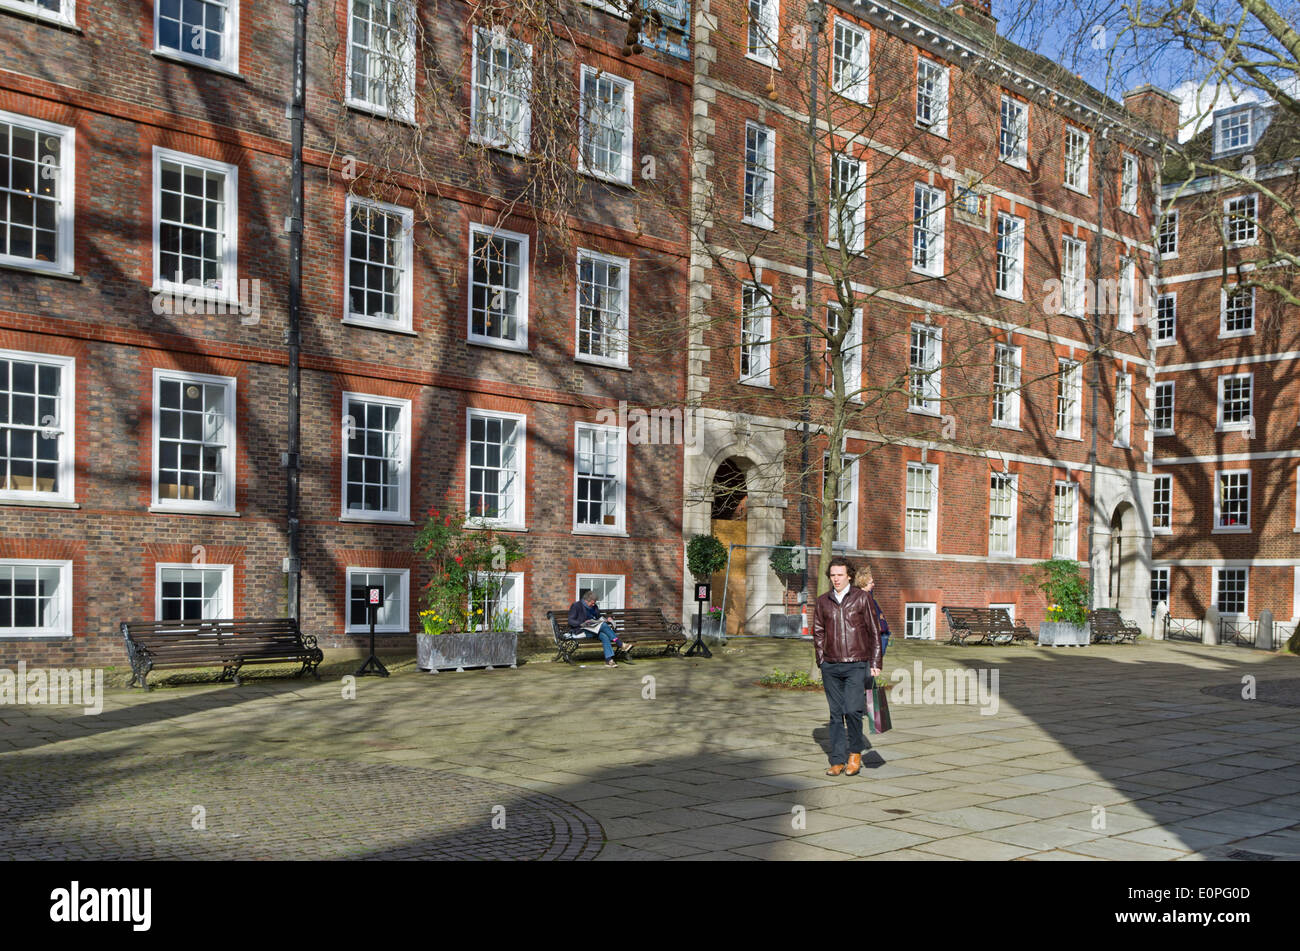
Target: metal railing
point(1183, 629)
point(1238, 633)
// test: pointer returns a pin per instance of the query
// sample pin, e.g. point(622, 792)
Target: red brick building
point(453, 357)
point(1227, 391)
point(982, 204)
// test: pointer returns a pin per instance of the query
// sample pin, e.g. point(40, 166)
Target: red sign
point(375, 595)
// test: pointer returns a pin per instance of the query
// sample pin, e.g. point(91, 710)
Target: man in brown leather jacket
point(846, 636)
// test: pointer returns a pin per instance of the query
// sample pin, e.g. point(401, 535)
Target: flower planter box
point(712, 628)
point(785, 625)
point(1061, 634)
point(458, 651)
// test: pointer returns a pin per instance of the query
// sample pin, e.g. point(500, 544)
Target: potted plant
point(1068, 596)
point(705, 557)
point(463, 624)
point(789, 564)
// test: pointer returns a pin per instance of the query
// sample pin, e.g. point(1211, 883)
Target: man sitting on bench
point(585, 617)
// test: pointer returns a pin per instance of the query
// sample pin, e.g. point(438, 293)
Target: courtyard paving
point(1146, 751)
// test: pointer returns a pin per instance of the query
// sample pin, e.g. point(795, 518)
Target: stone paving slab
point(711, 769)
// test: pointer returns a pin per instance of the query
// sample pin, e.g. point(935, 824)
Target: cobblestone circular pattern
point(1283, 693)
point(256, 807)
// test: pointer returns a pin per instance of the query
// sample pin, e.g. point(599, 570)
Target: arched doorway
point(1127, 584)
point(728, 522)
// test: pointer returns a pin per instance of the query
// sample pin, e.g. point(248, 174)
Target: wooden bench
point(1108, 626)
point(986, 625)
point(636, 628)
point(231, 643)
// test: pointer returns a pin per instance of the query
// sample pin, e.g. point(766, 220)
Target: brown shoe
point(835, 770)
point(855, 764)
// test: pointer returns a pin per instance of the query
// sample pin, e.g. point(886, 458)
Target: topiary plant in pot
point(705, 556)
point(1068, 597)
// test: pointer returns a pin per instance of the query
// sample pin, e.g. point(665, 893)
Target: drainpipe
point(816, 16)
point(293, 337)
point(1094, 378)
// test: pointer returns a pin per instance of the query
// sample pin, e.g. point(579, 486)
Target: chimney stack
point(1158, 110)
point(977, 11)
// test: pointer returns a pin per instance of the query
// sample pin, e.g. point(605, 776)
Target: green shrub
point(795, 678)
point(705, 555)
point(1067, 593)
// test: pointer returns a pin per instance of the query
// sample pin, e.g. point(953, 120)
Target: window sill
point(375, 520)
point(595, 362)
point(42, 271)
point(365, 108)
point(1171, 256)
point(160, 509)
point(1162, 531)
point(921, 551)
point(768, 64)
point(856, 100)
point(1231, 334)
point(503, 146)
point(29, 638)
point(589, 532)
point(756, 223)
point(378, 325)
point(933, 130)
point(186, 293)
point(921, 411)
point(758, 384)
point(1121, 445)
point(493, 345)
point(939, 274)
point(1233, 428)
point(471, 526)
point(1022, 164)
point(608, 179)
point(1061, 435)
point(1162, 343)
point(1157, 433)
point(360, 632)
point(42, 16)
point(1233, 530)
point(174, 57)
point(1238, 245)
point(1014, 427)
point(41, 503)
point(1017, 297)
point(1076, 189)
point(1129, 211)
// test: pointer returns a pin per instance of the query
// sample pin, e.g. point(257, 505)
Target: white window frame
point(763, 31)
point(850, 351)
point(1168, 229)
point(1240, 528)
point(629, 105)
point(854, 203)
point(520, 341)
point(1241, 220)
point(1009, 258)
point(227, 572)
point(1220, 121)
point(403, 513)
point(925, 381)
point(401, 86)
point(1168, 504)
point(404, 589)
point(1128, 187)
point(1015, 133)
point(1078, 146)
point(931, 471)
point(861, 63)
point(1225, 294)
point(1215, 588)
point(1222, 426)
point(1009, 607)
point(762, 171)
point(926, 614)
point(1123, 409)
point(1009, 393)
point(1162, 572)
point(1014, 481)
point(519, 494)
point(228, 292)
point(1127, 292)
point(760, 350)
point(1070, 389)
point(928, 219)
point(514, 599)
point(1072, 543)
point(1074, 277)
point(932, 95)
point(226, 504)
point(230, 40)
point(66, 16)
point(64, 629)
point(402, 320)
point(1156, 339)
point(849, 470)
point(65, 427)
point(65, 185)
point(517, 140)
point(584, 581)
point(1156, 428)
point(620, 331)
point(620, 481)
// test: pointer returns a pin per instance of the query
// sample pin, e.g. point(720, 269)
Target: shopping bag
point(877, 715)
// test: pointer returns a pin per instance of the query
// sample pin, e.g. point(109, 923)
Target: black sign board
point(702, 592)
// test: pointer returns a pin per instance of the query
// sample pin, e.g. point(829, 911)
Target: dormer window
point(1232, 131)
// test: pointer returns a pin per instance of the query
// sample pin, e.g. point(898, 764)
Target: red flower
point(433, 511)
point(448, 521)
point(459, 559)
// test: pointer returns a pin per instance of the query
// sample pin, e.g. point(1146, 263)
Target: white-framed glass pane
point(598, 468)
point(1235, 399)
point(381, 55)
point(1123, 398)
point(1231, 590)
point(1064, 499)
point(502, 114)
point(927, 229)
point(33, 192)
point(1006, 385)
point(1166, 318)
point(496, 602)
point(1159, 587)
point(920, 507)
point(1129, 183)
point(1238, 310)
point(760, 174)
point(498, 263)
point(1233, 131)
point(1239, 220)
point(193, 224)
point(918, 622)
point(1010, 255)
point(1233, 500)
point(848, 202)
point(392, 614)
point(1069, 389)
point(931, 95)
point(850, 350)
point(1074, 276)
point(844, 498)
point(606, 125)
point(378, 263)
point(1162, 489)
point(1013, 132)
point(32, 598)
point(193, 439)
point(924, 361)
point(1076, 158)
point(763, 30)
point(1127, 273)
point(602, 307)
point(494, 467)
point(1167, 236)
point(32, 426)
point(1162, 413)
point(1002, 514)
point(849, 61)
point(193, 594)
point(755, 323)
point(375, 447)
point(607, 588)
point(199, 28)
